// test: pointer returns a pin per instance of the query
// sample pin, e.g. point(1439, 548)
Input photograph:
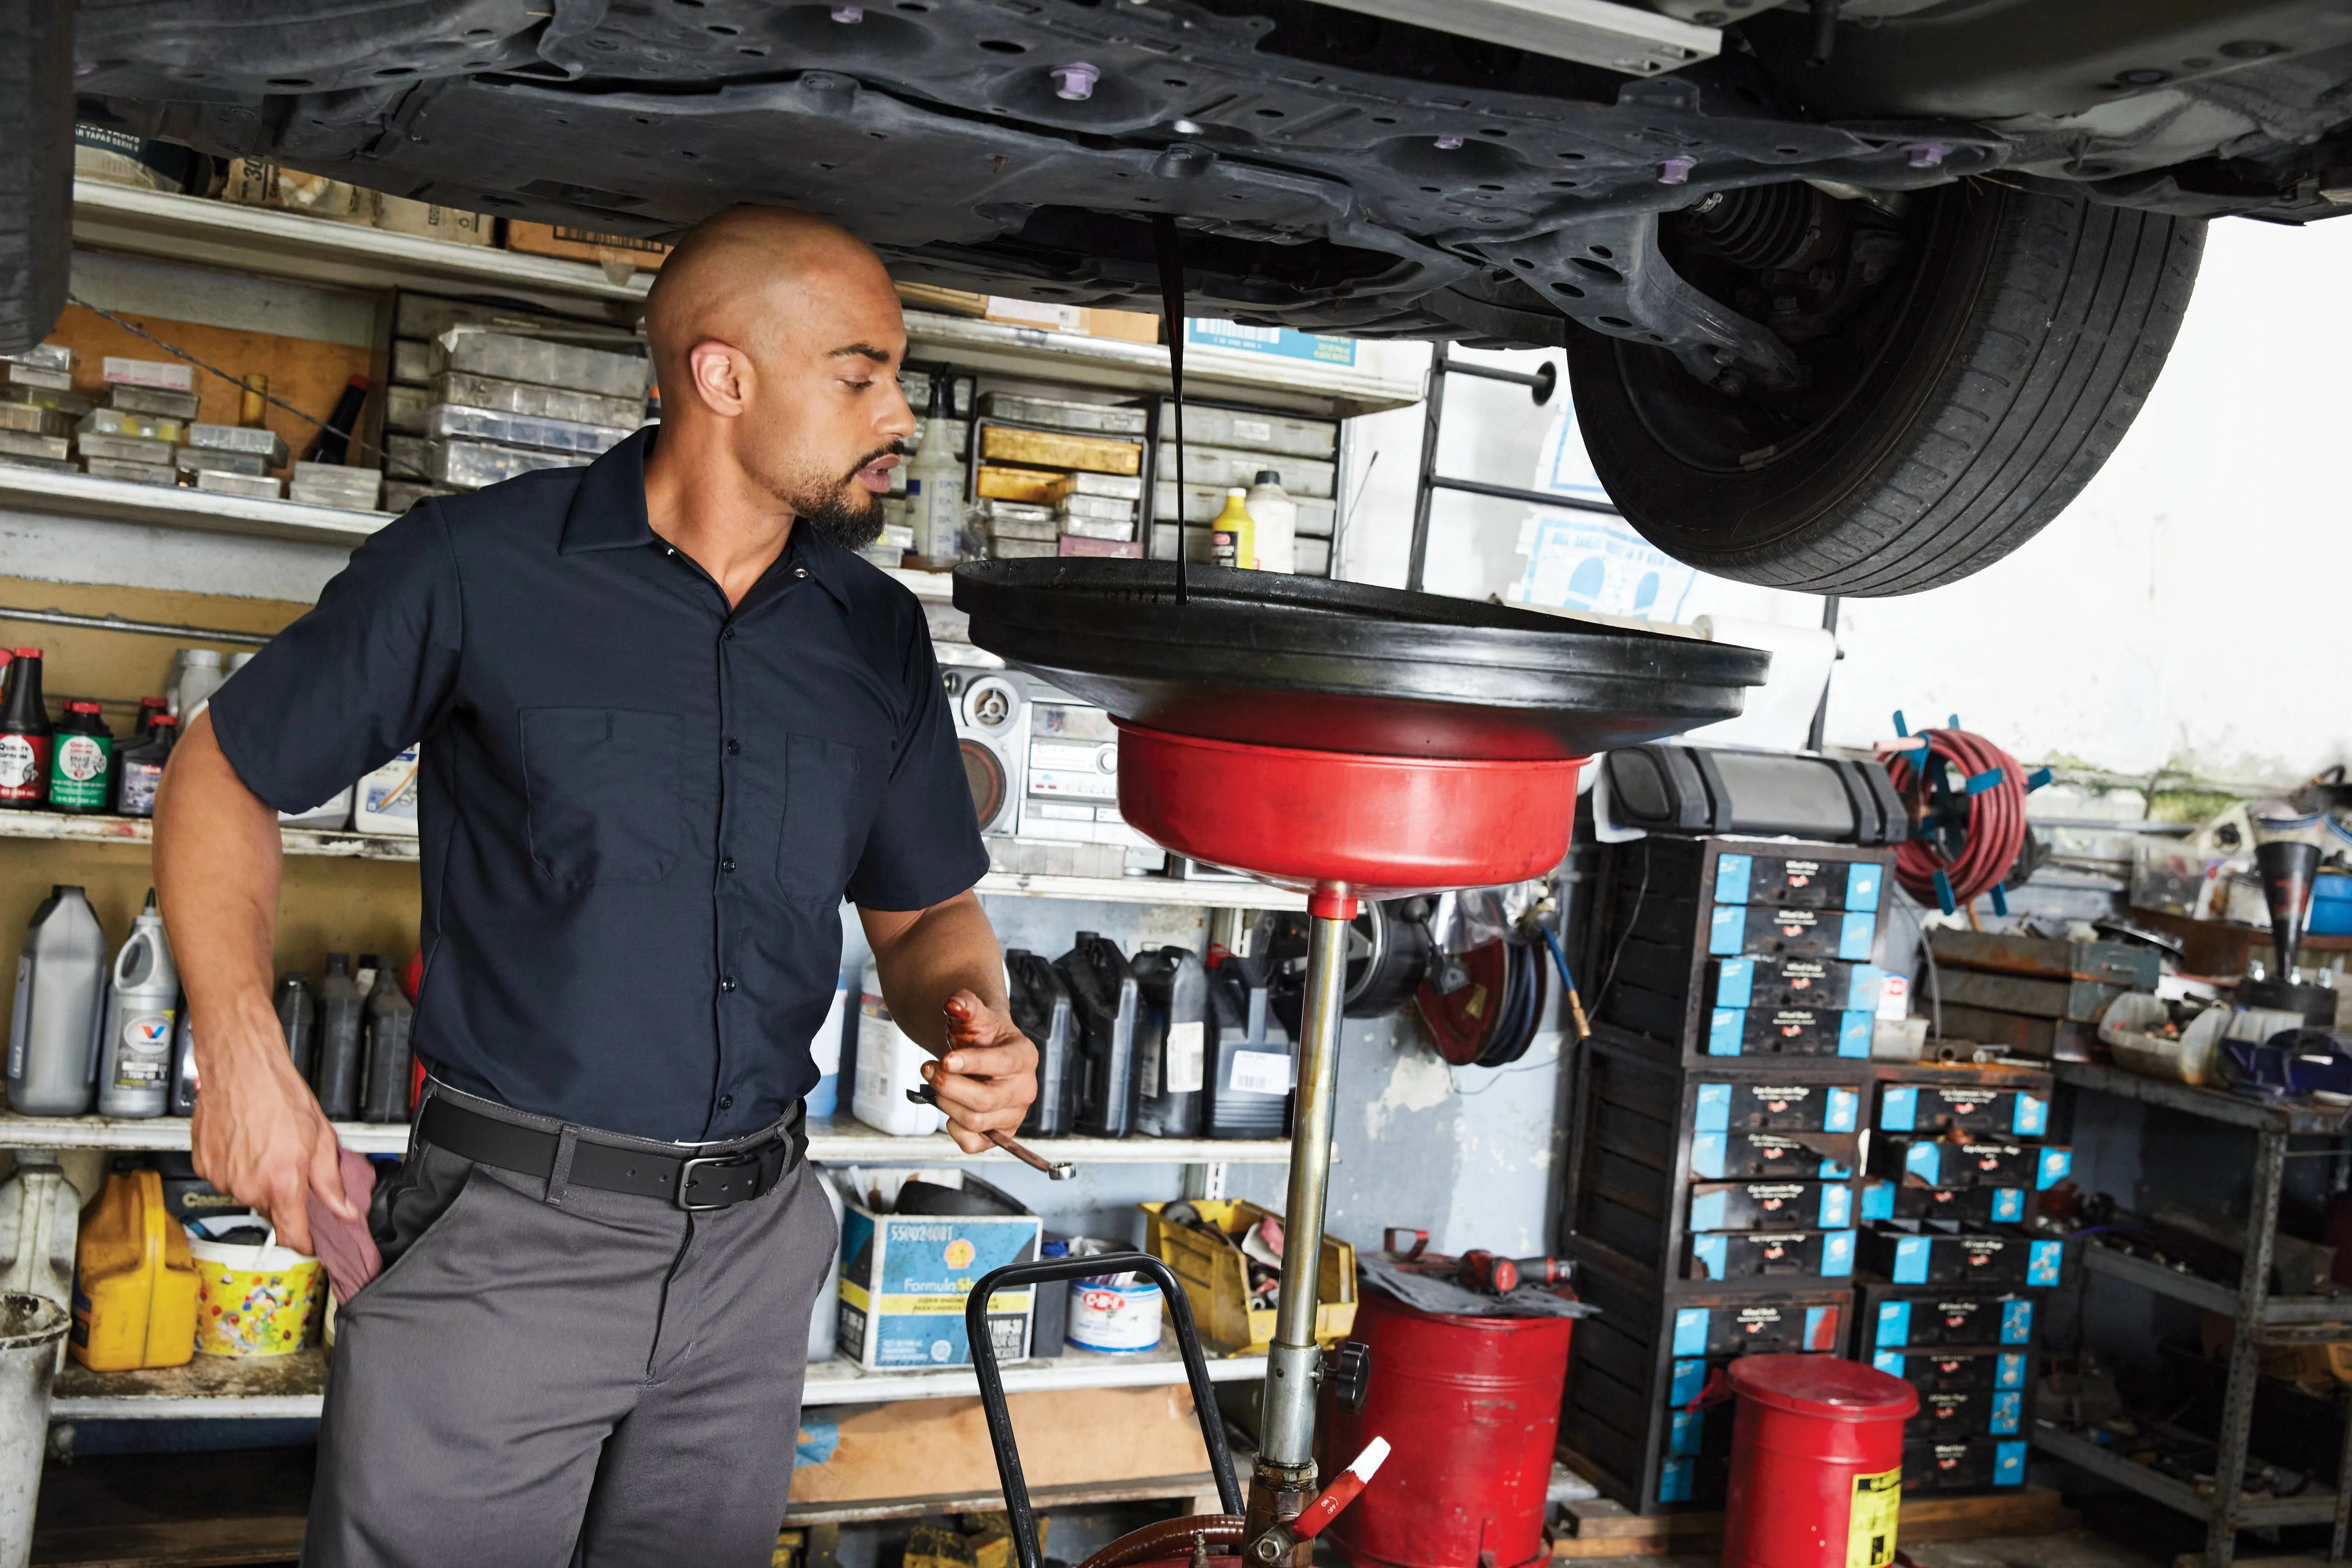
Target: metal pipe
point(1533, 498)
point(1433, 416)
point(2245, 1352)
point(1287, 1412)
point(145, 629)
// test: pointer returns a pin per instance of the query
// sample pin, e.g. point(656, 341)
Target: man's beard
point(846, 512)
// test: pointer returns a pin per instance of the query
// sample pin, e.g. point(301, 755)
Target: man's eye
point(858, 385)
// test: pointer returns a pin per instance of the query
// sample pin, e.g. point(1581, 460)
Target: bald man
point(668, 719)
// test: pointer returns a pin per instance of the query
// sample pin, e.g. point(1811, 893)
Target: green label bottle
point(81, 761)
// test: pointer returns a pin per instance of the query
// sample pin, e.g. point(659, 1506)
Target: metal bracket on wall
point(1540, 385)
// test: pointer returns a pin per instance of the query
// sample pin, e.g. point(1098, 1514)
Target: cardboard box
point(430, 220)
point(1003, 444)
point(258, 182)
point(1130, 326)
point(904, 1278)
point(1024, 485)
point(613, 251)
point(938, 1447)
point(947, 301)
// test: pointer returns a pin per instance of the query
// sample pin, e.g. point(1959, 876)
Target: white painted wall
point(2186, 612)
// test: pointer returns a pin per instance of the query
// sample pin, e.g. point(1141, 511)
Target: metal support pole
point(1433, 416)
point(2246, 1353)
point(1285, 1478)
point(2342, 1489)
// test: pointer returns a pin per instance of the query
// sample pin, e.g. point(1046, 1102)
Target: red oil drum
point(1816, 1463)
point(1471, 1409)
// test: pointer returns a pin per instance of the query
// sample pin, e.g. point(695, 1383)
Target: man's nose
point(898, 420)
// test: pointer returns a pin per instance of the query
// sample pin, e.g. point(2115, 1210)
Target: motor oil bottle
point(1104, 997)
point(134, 1053)
point(38, 1217)
point(200, 677)
point(298, 1018)
point(81, 761)
point(1040, 1006)
point(390, 1021)
point(935, 482)
point(182, 1100)
point(335, 1075)
point(60, 992)
point(1274, 517)
point(889, 1063)
point(1171, 1041)
point(139, 768)
point(150, 709)
point(385, 801)
point(25, 733)
point(135, 1292)
point(1233, 532)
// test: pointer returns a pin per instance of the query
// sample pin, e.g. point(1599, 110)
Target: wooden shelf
point(832, 1141)
point(292, 244)
point(294, 1386)
point(1165, 891)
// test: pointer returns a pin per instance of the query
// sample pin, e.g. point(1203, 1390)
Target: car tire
point(36, 167)
point(2032, 328)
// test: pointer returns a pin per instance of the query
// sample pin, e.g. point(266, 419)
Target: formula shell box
point(905, 1277)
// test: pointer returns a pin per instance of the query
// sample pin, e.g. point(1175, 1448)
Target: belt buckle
point(723, 1162)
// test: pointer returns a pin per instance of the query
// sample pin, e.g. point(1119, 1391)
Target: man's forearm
point(927, 956)
point(217, 862)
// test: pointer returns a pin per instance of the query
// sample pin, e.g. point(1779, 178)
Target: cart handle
point(1046, 1271)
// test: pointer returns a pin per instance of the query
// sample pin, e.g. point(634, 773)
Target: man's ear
point(722, 377)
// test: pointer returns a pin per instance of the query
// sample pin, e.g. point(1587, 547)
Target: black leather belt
point(696, 1182)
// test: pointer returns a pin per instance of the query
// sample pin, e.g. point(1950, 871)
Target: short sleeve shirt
point(640, 810)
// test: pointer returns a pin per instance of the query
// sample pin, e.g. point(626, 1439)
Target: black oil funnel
point(2287, 869)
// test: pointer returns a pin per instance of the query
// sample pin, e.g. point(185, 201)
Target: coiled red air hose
point(1994, 817)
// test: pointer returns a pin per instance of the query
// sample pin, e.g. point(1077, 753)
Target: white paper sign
point(1260, 1072)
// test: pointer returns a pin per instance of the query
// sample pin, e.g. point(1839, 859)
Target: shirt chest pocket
point(603, 788)
point(829, 803)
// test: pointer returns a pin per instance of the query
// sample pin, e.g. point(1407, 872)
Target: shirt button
point(726, 1103)
point(734, 748)
point(727, 983)
point(728, 635)
point(798, 572)
point(728, 865)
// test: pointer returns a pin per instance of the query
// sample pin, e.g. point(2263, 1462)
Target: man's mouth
point(875, 474)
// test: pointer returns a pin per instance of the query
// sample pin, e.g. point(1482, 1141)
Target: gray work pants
point(608, 1373)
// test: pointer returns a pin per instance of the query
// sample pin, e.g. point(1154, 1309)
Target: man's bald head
point(746, 275)
point(776, 339)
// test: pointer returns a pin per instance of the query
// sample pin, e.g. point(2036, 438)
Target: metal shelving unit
point(2258, 1318)
point(294, 1386)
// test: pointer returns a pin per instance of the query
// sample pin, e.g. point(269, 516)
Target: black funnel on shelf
point(2287, 869)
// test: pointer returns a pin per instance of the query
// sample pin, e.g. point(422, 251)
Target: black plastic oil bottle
point(1171, 1041)
point(1251, 1063)
point(298, 1019)
point(335, 1075)
point(1104, 997)
point(25, 734)
point(139, 767)
point(390, 1021)
point(1040, 1006)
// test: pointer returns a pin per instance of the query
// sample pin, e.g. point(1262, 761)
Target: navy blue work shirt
point(640, 810)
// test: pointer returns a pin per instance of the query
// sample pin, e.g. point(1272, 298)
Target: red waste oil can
point(1816, 1463)
point(1470, 1407)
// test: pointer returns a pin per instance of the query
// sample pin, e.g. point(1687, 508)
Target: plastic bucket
point(31, 1329)
point(1114, 1314)
point(252, 1301)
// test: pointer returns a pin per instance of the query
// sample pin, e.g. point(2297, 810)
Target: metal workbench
point(2259, 1318)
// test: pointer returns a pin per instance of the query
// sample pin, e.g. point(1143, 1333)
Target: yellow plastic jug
point(135, 1285)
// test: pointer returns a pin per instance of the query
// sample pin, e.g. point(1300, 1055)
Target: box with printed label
point(1779, 931)
point(1757, 1325)
point(1926, 1252)
point(1788, 1032)
point(1895, 1317)
point(1952, 1369)
point(1771, 1205)
point(1883, 1199)
point(1763, 981)
point(1766, 1105)
point(1795, 881)
point(1965, 1413)
point(1759, 1254)
point(1949, 1163)
point(1750, 1156)
point(905, 1277)
point(1932, 1464)
point(1963, 1108)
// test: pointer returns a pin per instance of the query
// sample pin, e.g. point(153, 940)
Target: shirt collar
point(608, 512)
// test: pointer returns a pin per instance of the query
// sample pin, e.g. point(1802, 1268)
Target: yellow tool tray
point(1216, 1278)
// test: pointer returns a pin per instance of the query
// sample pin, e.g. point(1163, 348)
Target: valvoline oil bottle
point(134, 1301)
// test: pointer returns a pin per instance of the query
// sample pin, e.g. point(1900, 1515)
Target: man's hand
point(259, 1136)
point(988, 1075)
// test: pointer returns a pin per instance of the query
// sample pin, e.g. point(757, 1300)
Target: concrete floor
point(2070, 1549)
